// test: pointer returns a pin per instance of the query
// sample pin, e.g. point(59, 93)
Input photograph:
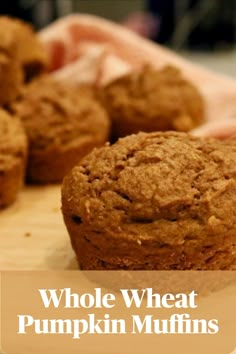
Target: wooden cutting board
point(32, 232)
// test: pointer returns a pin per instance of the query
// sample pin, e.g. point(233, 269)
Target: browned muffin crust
point(11, 78)
point(153, 100)
point(62, 125)
point(154, 201)
point(29, 51)
point(22, 57)
point(13, 151)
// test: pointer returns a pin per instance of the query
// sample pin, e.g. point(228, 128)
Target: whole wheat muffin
point(62, 125)
point(22, 57)
point(11, 78)
point(154, 201)
point(152, 100)
point(13, 152)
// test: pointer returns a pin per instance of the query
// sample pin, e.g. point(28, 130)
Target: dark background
point(192, 24)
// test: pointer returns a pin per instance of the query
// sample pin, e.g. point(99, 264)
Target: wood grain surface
point(32, 232)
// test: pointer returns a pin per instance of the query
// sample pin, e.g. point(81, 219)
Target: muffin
point(11, 78)
point(154, 201)
point(13, 151)
point(22, 57)
point(152, 100)
point(62, 125)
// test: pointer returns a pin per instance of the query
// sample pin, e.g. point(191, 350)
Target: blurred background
point(202, 30)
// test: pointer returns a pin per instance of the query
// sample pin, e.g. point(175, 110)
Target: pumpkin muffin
point(63, 124)
point(152, 100)
point(154, 201)
point(22, 57)
point(13, 151)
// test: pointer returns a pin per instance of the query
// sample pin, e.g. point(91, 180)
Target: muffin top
point(13, 141)
point(22, 57)
point(56, 114)
point(153, 100)
point(165, 186)
point(11, 78)
point(19, 42)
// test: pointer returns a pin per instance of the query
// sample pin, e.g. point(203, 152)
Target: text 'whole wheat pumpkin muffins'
point(22, 57)
point(154, 201)
point(13, 152)
point(63, 124)
point(153, 100)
